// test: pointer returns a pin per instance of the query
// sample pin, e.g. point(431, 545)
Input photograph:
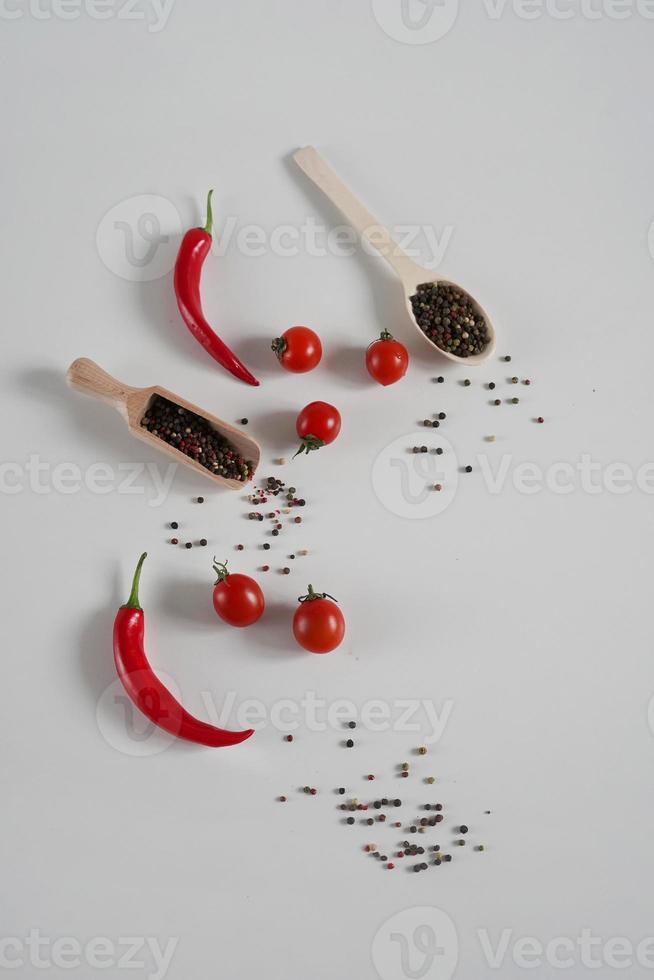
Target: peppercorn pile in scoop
point(447, 315)
point(195, 437)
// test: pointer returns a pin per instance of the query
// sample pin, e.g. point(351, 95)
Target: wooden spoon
point(132, 403)
point(411, 275)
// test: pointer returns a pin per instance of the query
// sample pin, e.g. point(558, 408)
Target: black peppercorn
point(350, 820)
point(203, 542)
point(188, 544)
point(468, 469)
point(351, 724)
point(349, 743)
point(200, 500)
point(174, 525)
point(244, 421)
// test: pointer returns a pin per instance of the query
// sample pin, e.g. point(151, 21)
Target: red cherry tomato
point(237, 599)
point(298, 349)
point(317, 425)
point(387, 359)
point(318, 623)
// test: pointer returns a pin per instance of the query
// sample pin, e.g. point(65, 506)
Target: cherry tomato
point(237, 599)
point(317, 425)
point(387, 359)
point(318, 623)
point(298, 349)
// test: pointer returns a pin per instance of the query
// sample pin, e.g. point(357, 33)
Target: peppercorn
point(265, 568)
point(282, 799)
point(514, 401)
point(468, 469)
point(467, 382)
point(274, 532)
point(423, 449)
point(350, 820)
point(438, 486)
point(427, 422)
point(298, 520)
point(266, 546)
point(244, 421)
point(463, 829)
point(514, 381)
point(188, 544)
point(313, 791)
point(349, 743)
point(438, 806)
point(404, 774)
point(447, 857)
point(491, 385)
point(507, 358)
point(438, 818)
point(239, 547)
point(390, 866)
point(497, 402)
point(174, 525)
point(288, 738)
point(301, 503)
point(422, 750)
point(397, 802)
point(174, 540)
point(461, 843)
point(370, 821)
point(382, 818)
point(526, 381)
point(370, 776)
point(200, 500)
point(540, 419)
point(430, 779)
point(203, 542)
point(442, 416)
point(286, 571)
point(341, 790)
point(439, 450)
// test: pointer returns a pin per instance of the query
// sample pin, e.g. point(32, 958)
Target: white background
point(528, 614)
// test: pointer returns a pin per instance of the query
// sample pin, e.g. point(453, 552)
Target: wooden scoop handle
point(318, 170)
point(87, 376)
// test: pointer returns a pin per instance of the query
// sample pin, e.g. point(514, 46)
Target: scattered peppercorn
point(442, 416)
point(350, 820)
point(540, 419)
point(526, 381)
point(282, 799)
point(370, 776)
point(188, 544)
point(514, 380)
point(439, 450)
point(244, 421)
point(200, 500)
point(288, 738)
point(265, 568)
point(438, 486)
point(497, 402)
point(351, 724)
point(463, 829)
point(491, 385)
point(174, 540)
point(467, 382)
point(514, 401)
point(341, 790)
point(349, 743)
point(468, 469)
point(174, 525)
point(239, 547)
point(203, 542)
point(286, 571)
point(507, 358)
point(423, 449)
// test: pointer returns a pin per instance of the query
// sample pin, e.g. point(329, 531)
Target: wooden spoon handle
point(87, 376)
point(318, 170)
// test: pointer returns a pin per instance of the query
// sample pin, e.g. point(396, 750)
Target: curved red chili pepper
point(188, 269)
point(144, 687)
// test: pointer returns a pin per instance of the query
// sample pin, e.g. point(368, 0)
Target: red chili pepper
point(144, 687)
point(188, 269)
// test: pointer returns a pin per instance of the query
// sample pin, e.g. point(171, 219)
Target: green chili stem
point(208, 227)
point(133, 601)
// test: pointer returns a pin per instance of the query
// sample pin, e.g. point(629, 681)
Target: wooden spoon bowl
point(133, 403)
point(410, 273)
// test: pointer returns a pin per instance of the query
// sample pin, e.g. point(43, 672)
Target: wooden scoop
point(133, 403)
point(410, 274)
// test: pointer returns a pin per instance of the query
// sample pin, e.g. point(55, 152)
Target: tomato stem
point(133, 601)
point(278, 346)
point(385, 335)
point(220, 568)
point(311, 595)
point(308, 444)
